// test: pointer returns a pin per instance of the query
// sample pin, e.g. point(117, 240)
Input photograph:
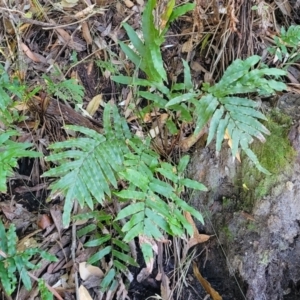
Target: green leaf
point(130, 80)
point(124, 257)
point(147, 252)
point(99, 255)
point(136, 41)
point(193, 184)
point(130, 194)
point(98, 242)
point(187, 76)
point(85, 230)
point(151, 230)
point(135, 219)
point(135, 58)
point(159, 101)
point(136, 178)
point(221, 132)
point(181, 98)
point(214, 124)
point(45, 293)
point(181, 10)
point(184, 160)
point(130, 210)
point(23, 272)
point(204, 110)
point(107, 280)
point(134, 232)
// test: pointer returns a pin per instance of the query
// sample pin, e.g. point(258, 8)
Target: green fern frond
point(66, 90)
point(13, 261)
point(10, 152)
point(239, 116)
point(88, 165)
point(149, 214)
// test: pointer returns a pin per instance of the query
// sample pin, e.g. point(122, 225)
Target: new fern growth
point(10, 151)
point(13, 262)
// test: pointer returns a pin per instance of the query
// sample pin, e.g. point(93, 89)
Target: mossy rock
point(276, 155)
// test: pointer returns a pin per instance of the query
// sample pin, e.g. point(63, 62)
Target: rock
point(261, 244)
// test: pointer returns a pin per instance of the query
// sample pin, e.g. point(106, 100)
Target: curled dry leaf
point(86, 33)
point(29, 53)
point(197, 238)
point(44, 221)
point(206, 285)
point(86, 271)
point(94, 104)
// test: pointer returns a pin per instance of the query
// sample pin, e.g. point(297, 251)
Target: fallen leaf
point(44, 221)
point(197, 238)
point(128, 3)
point(86, 33)
point(86, 270)
point(206, 285)
point(29, 53)
point(83, 293)
point(85, 12)
point(94, 104)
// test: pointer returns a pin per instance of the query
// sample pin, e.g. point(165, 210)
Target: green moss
point(227, 234)
point(276, 155)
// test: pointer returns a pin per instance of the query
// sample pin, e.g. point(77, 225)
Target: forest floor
point(45, 43)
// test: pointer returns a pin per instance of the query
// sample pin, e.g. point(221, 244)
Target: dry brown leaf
point(187, 46)
point(29, 53)
point(44, 221)
point(94, 104)
point(83, 293)
point(145, 272)
point(56, 215)
point(28, 241)
point(128, 3)
point(197, 238)
point(187, 143)
point(86, 33)
point(206, 285)
point(66, 38)
point(86, 271)
point(85, 12)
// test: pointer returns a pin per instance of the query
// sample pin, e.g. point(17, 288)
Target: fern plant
point(13, 262)
point(89, 170)
point(66, 90)
point(236, 116)
point(106, 234)
point(84, 159)
point(287, 45)
point(11, 151)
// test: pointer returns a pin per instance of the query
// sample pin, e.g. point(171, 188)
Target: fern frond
point(10, 152)
point(88, 165)
point(149, 214)
point(238, 116)
point(15, 261)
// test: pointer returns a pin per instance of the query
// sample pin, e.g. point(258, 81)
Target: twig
point(73, 248)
